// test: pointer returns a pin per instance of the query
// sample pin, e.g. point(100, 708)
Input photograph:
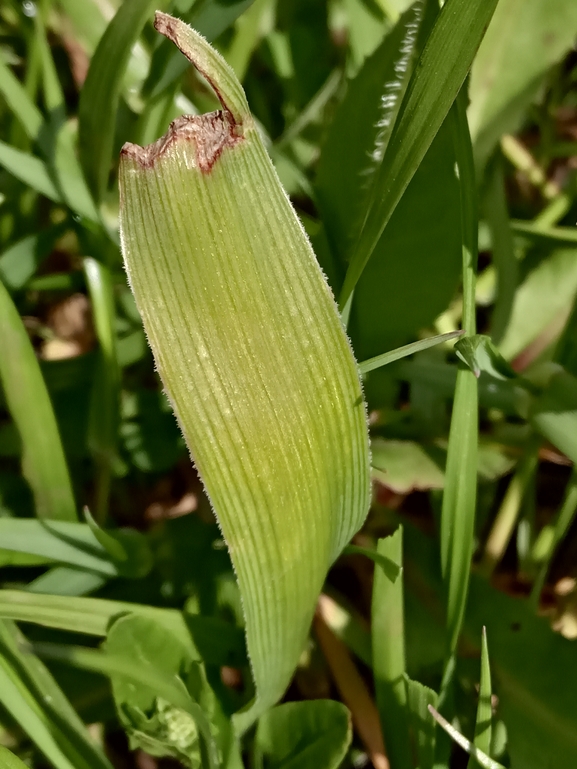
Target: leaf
point(389, 567)
point(403, 352)
point(21, 260)
point(43, 461)
point(459, 496)
point(303, 735)
point(554, 414)
point(147, 677)
point(404, 466)
point(30, 170)
point(388, 643)
point(483, 723)
point(480, 354)
point(546, 292)
point(9, 761)
point(100, 94)
point(152, 723)
point(422, 724)
point(536, 702)
point(61, 541)
point(524, 39)
point(252, 359)
point(482, 759)
point(36, 702)
point(439, 75)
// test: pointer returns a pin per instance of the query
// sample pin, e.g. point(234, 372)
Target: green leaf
point(422, 724)
point(409, 349)
point(545, 294)
point(61, 541)
point(20, 261)
point(524, 39)
point(36, 702)
point(482, 759)
point(404, 466)
point(101, 92)
point(152, 723)
point(145, 677)
point(483, 723)
point(9, 761)
point(388, 642)
point(303, 735)
point(43, 461)
point(480, 354)
point(536, 701)
point(104, 406)
point(389, 567)
point(30, 170)
point(252, 357)
point(459, 496)
point(128, 548)
point(504, 258)
point(439, 75)
point(554, 414)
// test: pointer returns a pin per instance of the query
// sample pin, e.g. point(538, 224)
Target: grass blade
point(30, 170)
point(481, 758)
point(409, 349)
point(483, 727)
point(438, 77)
point(43, 461)
point(459, 497)
point(9, 761)
point(388, 636)
point(35, 700)
point(239, 363)
point(104, 417)
point(101, 92)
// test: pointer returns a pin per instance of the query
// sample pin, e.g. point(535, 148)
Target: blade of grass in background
point(388, 642)
point(504, 259)
point(104, 416)
point(483, 723)
point(459, 496)
point(409, 349)
point(100, 95)
point(438, 77)
point(270, 478)
point(34, 699)
point(43, 461)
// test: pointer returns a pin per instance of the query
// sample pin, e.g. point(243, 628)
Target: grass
point(141, 622)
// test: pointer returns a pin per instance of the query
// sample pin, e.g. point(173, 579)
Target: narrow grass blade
point(422, 723)
point(19, 102)
point(133, 671)
point(249, 345)
point(43, 461)
point(104, 417)
point(495, 205)
point(388, 637)
point(483, 723)
point(391, 568)
point(409, 349)
point(482, 759)
point(101, 92)
point(459, 497)
point(67, 580)
point(438, 78)
point(566, 235)
point(31, 695)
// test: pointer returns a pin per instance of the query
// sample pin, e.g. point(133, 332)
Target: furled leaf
point(249, 345)
point(303, 735)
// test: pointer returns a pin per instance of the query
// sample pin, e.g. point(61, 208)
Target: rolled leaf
point(249, 345)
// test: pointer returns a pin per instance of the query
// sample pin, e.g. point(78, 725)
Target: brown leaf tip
point(210, 135)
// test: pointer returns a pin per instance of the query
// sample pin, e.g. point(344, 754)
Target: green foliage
point(409, 136)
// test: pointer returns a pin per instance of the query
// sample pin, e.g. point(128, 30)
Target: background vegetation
point(84, 423)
